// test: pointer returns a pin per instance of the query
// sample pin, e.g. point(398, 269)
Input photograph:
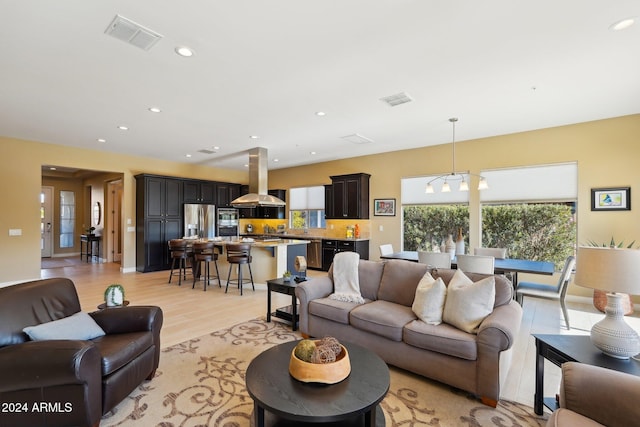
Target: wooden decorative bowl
point(326, 373)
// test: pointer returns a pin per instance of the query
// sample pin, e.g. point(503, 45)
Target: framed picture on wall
point(384, 207)
point(611, 199)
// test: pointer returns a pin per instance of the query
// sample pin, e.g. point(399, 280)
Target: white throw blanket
point(346, 284)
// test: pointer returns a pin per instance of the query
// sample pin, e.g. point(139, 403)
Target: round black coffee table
point(281, 400)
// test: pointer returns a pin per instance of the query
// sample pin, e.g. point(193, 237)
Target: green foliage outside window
point(543, 231)
point(427, 227)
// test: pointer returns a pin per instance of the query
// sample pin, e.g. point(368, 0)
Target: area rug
point(201, 382)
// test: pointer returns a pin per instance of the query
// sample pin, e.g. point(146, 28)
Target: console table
point(571, 348)
point(86, 246)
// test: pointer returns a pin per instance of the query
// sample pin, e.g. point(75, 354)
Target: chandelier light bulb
point(445, 187)
point(482, 185)
point(463, 185)
point(429, 189)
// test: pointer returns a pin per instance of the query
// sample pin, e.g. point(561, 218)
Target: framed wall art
point(611, 199)
point(384, 207)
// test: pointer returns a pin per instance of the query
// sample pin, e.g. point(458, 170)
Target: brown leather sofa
point(70, 382)
point(591, 396)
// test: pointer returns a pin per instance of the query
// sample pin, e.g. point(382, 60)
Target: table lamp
point(611, 270)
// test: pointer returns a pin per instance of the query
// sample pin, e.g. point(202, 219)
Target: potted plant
point(286, 276)
point(114, 295)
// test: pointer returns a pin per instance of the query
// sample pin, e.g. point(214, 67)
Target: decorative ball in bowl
point(320, 361)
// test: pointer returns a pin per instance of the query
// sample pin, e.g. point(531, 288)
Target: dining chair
point(500, 253)
point(435, 259)
point(386, 249)
point(475, 263)
point(553, 292)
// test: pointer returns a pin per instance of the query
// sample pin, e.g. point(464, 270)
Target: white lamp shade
point(608, 269)
point(445, 187)
point(463, 185)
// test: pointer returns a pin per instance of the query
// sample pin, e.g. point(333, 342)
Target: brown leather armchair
point(70, 382)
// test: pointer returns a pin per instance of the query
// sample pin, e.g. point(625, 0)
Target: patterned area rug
point(201, 382)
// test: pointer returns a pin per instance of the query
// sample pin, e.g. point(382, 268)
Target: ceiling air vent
point(397, 99)
point(356, 138)
point(132, 33)
point(207, 151)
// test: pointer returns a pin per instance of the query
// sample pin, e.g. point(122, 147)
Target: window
point(428, 219)
point(67, 218)
point(306, 206)
point(531, 211)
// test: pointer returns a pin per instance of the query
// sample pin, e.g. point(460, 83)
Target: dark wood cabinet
point(226, 193)
point(158, 219)
point(348, 197)
point(199, 192)
point(330, 247)
point(274, 212)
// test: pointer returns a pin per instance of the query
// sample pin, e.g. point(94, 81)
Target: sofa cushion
point(399, 281)
point(567, 418)
point(382, 318)
point(468, 303)
point(79, 326)
point(331, 309)
point(118, 350)
point(504, 287)
point(442, 338)
point(429, 300)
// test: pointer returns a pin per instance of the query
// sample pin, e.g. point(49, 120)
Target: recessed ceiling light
point(320, 113)
point(52, 168)
point(276, 160)
point(254, 136)
point(216, 147)
point(123, 128)
point(187, 155)
point(313, 153)
point(184, 51)
point(155, 109)
point(246, 165)
point(621, 25)
point(102, 140)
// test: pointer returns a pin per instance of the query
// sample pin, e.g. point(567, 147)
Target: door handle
point(49, 227)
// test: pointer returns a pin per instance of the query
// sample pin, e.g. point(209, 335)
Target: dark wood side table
point(559, 349)
point(86, 243)
point(286, 313)
point(281, 400)
point(104, 305)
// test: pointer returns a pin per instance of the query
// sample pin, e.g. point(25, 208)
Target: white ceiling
point(265, 67)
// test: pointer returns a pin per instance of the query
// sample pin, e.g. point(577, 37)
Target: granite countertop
point(305, 237)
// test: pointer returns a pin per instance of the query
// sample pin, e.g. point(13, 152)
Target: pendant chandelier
point(455, 176)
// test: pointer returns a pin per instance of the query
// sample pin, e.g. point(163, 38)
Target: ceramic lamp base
point(612, 335)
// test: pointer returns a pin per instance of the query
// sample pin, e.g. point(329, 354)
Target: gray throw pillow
point(79, 326)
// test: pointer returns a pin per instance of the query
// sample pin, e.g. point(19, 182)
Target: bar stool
point(205, 252)
point(180, 253)
point(239, 254)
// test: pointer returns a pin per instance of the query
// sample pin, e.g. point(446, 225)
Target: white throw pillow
point(468, 303)
point(79, 326)
point(428, 303)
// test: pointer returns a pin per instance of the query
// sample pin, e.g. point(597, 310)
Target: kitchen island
point(270, 257)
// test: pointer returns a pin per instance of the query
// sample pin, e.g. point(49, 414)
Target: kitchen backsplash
point(336, 228)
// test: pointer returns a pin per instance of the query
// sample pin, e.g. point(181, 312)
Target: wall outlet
point(380, 228)
point(15, 232)
point(131, 229)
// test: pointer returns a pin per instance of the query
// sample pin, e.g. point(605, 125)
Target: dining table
point(501, 265)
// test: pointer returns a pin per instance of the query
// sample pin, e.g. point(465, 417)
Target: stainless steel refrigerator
point(199, 220)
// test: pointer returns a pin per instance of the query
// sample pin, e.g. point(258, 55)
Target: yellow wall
point(20, 175)
point(606, 152)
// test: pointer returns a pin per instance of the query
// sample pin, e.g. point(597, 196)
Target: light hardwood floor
point(190, 313)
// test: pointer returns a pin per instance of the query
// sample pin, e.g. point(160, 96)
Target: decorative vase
point(114, 296)
point(443, 247)
point(450, 246)
point(460, 243)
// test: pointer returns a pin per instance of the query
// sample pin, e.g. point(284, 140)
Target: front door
point(46, 221)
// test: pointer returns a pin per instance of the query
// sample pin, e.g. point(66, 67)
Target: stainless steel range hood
point(258, 183)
